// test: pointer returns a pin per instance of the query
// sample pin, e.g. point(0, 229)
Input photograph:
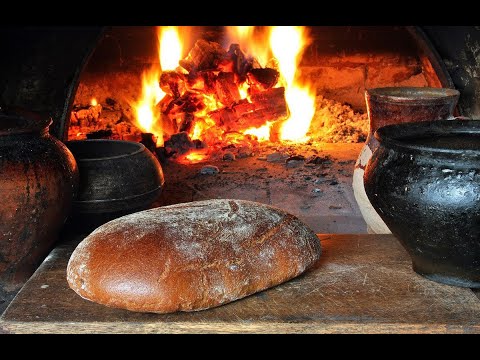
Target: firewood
point(241, 64)
point(190, 102)
point(172, 83)
point(203, 81)
point(205, 55)
point(262, 79)
point(181, 121)
point(226, 89)
point(269, 105)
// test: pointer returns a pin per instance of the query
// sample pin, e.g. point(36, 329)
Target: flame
point(288, 43)
point(147, 115)
point(169, 52)
point(93, 102)
point(262, 133)
point(251, 40)
point(170, 47)
point(286, 47)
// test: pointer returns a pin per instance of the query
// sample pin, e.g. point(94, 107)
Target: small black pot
point(117, 177)
point(424, 182)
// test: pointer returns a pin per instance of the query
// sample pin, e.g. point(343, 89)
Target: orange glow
point(193, 157)
point(262, 133)
point(170, 47)
point(93, 102)
point(288, 43)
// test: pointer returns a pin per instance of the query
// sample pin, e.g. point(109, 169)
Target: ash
point(333, 122)
point(312, 181)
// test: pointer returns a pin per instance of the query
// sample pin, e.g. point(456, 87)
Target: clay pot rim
point(412, 95)
point(139, 147)
point(16, 124)
point(389, 135)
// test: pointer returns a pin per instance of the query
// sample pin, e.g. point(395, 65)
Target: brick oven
point(88, 80)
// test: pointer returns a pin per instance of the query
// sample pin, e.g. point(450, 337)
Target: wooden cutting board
point(362, 284)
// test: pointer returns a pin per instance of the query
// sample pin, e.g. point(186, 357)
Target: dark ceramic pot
point(38, 181)
point(396, 105)
point(117, 177)
point(424, 182)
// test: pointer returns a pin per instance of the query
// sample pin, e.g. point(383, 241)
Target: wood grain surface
point(361, 284)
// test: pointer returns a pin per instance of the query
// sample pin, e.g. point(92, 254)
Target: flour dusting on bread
point(191, 256)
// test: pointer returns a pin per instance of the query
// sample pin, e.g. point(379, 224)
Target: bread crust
point(191, 256)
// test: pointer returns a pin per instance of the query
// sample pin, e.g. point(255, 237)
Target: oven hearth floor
point(320, 194)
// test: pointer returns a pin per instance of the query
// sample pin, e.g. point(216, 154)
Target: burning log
point(269, 105)
point(262, 79)
point(203, 81)
point(226, 89)
point(172, 83)
point(240, 64)
point(179, 113)
point(205, 55)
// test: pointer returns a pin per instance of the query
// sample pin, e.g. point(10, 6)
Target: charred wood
point(173, 83)
point(262, 79)
point(226, 89)
point(205, 55)
point(269, 105)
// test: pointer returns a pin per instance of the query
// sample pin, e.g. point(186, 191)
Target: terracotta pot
point(117, 177)
point(38, 181)
point(424, 182)
point(395, 105)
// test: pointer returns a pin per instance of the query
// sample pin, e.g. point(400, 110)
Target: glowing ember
point(193, 157)
point(262, 133)
point(93, 102)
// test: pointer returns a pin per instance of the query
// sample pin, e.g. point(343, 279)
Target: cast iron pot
point(424, 182)
point(117, 177)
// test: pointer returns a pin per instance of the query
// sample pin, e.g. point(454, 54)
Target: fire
point(147, 114)
point(93, 102)
point(170, 48)
point(252, 41)
point(286, 47)
point(288, 43)
point(262, 133)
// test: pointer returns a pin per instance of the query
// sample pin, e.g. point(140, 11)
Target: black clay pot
point(424, 182)
point(117, 177)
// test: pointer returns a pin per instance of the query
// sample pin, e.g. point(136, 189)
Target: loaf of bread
point(191, 256)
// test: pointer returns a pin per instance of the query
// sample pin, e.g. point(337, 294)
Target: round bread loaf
point(191, 256)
